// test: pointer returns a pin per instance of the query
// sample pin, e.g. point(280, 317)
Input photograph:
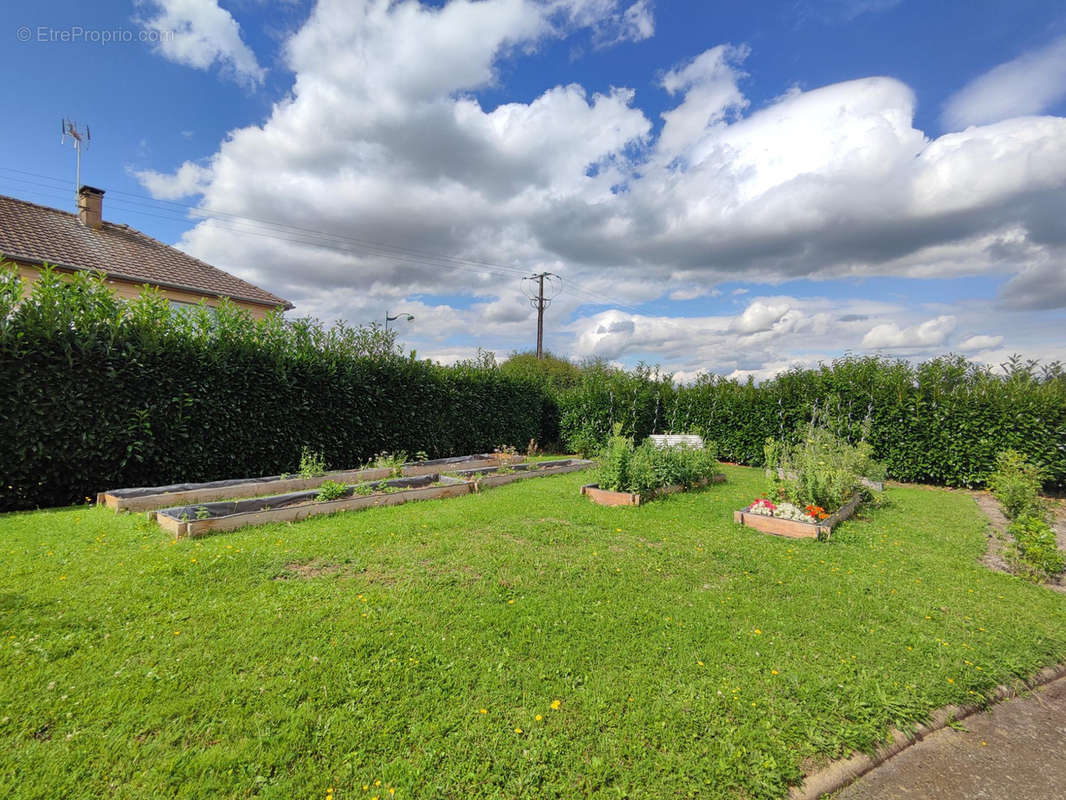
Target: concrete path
point(1015, 751)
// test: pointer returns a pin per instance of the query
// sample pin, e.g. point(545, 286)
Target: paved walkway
point(1015, 751)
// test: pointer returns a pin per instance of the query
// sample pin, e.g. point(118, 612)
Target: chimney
point(91, 206)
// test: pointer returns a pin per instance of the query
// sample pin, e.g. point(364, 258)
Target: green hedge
point(100, 394)
point(942, 421)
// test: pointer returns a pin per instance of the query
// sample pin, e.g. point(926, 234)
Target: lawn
point(520, 643)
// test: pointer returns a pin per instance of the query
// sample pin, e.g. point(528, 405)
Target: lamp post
point(402, 315)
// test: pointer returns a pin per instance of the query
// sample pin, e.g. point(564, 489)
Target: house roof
point(38, 234)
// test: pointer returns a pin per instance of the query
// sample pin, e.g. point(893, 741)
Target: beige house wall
point(127, 290)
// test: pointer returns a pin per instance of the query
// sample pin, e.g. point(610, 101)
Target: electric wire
point(173, 211)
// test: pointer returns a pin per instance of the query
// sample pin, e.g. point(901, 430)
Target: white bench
point(676, 440)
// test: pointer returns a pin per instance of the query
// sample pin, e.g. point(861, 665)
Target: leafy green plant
point(312, 464)
point(391, 461)
point(819, 470)
point(1036, 546)
point(1016, 484)
point(645, 469)
point(331, 490)
point(202, 513)
point(615, 460)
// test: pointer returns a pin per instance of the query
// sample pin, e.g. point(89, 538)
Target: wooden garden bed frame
point(488, 477)
point(605, 497)
point(155, 497)
point(794, 529)
point(170, 518)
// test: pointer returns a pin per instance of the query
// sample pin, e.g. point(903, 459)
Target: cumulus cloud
point(390, 182)
point(201, 34)
point(1029, 84)
point(189, 180)
point(972, 344)
point(890, 336)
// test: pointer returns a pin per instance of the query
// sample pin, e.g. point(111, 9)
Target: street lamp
point(402, 315)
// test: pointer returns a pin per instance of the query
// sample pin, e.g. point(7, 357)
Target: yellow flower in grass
point(538, 718)
point(774, 672)
point(556, 704)
point(484, 711)
point(517, 730)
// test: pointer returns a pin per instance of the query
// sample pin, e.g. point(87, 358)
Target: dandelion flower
point(774, 672)
point(517, 730)
point(757, 632)
point(484, 711)
point(556, 704)
point(538, 717)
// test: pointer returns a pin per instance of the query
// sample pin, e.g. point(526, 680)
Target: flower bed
point(785, 519)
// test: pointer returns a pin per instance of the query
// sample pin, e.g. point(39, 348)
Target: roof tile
point(38, 233)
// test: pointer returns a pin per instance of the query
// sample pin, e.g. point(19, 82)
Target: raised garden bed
point(794, 529)
point(476, 461)
point(152, 497)
point(204, 518)
point(487, 477)
point(605, 497)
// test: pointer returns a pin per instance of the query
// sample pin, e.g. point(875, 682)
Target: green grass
point(690, 657)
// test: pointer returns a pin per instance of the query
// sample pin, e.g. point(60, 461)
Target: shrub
point(1036, 546)
point(1016, 484)
point(615, 462)
point(820, 470)
point(645, 469)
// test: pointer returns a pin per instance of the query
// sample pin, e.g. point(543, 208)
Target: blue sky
point(735, 188)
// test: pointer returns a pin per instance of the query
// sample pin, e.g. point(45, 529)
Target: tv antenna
point(81, 140)
point(533, 286)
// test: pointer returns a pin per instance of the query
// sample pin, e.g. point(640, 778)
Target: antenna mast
point(80, 139)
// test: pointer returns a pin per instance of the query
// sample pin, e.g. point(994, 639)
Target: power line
point(181, 212)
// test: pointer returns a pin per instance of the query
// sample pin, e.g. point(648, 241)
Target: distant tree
point(558, 373)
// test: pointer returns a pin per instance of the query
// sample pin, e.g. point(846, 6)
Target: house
point(32, 236)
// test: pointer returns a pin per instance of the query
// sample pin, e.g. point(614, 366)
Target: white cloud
point(201, 34)
point(890, 336)
point(190, 179)
point(1030, 84)
point(972, 344)
point(761, 316)
point(382, 141)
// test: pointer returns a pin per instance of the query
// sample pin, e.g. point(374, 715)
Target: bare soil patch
point(311, 569)
point(995, 557)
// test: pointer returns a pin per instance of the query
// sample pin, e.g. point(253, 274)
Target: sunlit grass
point(518, 643)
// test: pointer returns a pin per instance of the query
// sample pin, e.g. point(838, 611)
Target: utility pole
point(540, 302)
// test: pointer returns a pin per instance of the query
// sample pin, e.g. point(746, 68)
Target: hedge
point(941, 422)
point(100, 394)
